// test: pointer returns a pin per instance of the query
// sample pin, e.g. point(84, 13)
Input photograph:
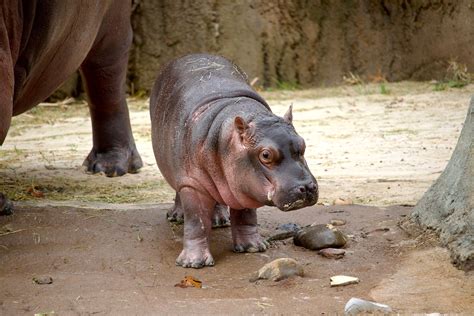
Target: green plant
point(287, 85)
point(384, 89)
point(457, 76)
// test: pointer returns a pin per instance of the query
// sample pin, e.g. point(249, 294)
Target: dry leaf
point(189, 281)
point(35, 193)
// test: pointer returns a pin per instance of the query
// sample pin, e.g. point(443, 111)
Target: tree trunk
point(448, 205)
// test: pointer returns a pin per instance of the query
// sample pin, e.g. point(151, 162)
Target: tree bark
point(448, 205)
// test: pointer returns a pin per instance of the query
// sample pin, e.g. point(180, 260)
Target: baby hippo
point(217, 142)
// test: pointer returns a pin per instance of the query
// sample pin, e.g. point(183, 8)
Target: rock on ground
point(279, 269)
point(355, 306)
point(320, 236)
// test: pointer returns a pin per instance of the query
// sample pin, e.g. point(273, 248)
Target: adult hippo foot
point(195, 258)
point(6, 207)
point(115, 162)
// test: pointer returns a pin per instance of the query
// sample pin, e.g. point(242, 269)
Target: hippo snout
point(300, 196)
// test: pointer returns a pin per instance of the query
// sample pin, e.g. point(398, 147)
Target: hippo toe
point(195, 259)
point(115, 162)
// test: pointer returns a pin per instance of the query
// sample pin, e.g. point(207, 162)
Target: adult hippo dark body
point(42, 42)
point(216, 141)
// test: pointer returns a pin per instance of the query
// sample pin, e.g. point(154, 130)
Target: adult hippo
point(216, 141)
point(43, 42)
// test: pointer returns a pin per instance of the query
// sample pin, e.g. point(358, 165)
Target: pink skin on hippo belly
point(216, 141)
point(43, 42)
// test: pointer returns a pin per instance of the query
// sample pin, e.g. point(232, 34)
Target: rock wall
point(306, 42)
point(303, 42)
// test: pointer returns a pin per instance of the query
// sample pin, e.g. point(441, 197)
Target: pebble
point(356, 306)
point(337, 222)
point(285, 231)
point(339, 280)
point(319, 237)
point(279, 269)
point(289, 227)
point(342, 201)
point(332, 253)
point(44, 279)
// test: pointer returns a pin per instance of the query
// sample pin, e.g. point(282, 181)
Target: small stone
point(279, 269)
point(281, 236)
point(339, 280)
point(44, 279)
point(342, 201)
point(319, 236)
point(332, 253)
point(289, 227)
point(337, 222)
point(356, 306)
point(284, 231)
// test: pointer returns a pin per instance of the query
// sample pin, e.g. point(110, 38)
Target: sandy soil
point(108, 248)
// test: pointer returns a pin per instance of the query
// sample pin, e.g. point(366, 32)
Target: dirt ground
point(107, 246)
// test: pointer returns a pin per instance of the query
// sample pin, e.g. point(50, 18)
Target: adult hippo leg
point(244, 231)
point(6, 102)
point(114, 151)
point(220, 218)
point(198, 210)
point(6, 207)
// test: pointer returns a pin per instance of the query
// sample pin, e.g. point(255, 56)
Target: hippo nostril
point(302, 189)
point(311, 187)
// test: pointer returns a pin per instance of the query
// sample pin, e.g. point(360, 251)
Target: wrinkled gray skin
point(43, 42)
point(216, 141)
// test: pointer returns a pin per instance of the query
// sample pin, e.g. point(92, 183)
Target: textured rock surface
point(332, 253)
point(356, 306)
point(319, 236)
point(306, 42)
point(448, 205)
point(279, 269)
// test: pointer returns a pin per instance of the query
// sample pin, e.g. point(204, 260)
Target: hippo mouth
point(294, 205)
point(298, 203)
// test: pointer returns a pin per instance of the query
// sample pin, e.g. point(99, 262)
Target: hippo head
point(278, 174)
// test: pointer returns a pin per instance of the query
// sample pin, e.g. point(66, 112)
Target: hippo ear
point(240, 125)
point(288, 117)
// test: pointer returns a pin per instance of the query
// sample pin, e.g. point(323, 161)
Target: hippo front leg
point(244, 231)
point(198, 210)
point(114, 151)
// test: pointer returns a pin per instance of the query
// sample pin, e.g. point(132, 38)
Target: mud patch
point(123, 262)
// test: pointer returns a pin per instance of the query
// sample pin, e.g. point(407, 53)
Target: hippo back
point(185, 89)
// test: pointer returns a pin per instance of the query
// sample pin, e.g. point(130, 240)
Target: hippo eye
point(266, 156)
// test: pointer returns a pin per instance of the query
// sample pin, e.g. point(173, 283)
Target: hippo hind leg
point(244, 231)
point(220, 218)
point(104, 70)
